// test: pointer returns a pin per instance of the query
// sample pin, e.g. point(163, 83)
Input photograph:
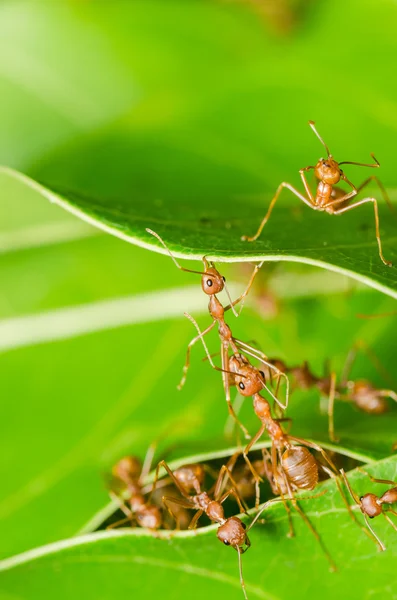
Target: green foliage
point(183, 117)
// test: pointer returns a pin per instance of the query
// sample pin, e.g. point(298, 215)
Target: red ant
point(130, 474)
point(329, 198)
point(361, 392)
point(212, 283)
point(232, 531)
point(371, 505)
point(293, 467)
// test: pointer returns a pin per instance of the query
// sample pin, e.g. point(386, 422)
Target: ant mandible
point(329, 198)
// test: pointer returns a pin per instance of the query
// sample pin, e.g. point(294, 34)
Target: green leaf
point(125, 562)
point(85, 410)
point(205, 229)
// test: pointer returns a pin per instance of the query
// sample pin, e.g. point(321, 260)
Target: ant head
point(370, 505)
point(212, 281)
point(150, 518)
point(233, 533)
point(249, 380)
point(127, 468)
point(328, 171)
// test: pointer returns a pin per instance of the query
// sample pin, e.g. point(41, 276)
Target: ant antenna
point(312, 125)
point(349, 162)
point(162, 242)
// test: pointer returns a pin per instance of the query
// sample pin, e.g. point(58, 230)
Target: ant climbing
point(293, 467)
point(188, 479)
point(329, 198)
point(212, 283)
point(129, 475)
point(372, 506)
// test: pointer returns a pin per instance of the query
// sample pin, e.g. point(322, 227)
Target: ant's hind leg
point(188, 352)
point(359, 203)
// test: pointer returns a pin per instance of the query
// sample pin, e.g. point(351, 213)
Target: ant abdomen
point(300, 466)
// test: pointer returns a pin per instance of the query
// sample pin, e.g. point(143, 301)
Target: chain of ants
point(289, 467)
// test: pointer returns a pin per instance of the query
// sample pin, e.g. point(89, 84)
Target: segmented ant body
point(372, 505)
point(130, 473)
point(188, 479)
point(293, 467)
point(327, 197)
point(212, 283)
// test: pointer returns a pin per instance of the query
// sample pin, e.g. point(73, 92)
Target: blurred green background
point(92, 334)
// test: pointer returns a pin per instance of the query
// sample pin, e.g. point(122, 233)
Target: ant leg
point(120, 522)
point(189, 349)
point(167, 500)
point(121, 504)
point(375, 480)
point(351, 491)
point(226, 386)
point(234, 492)
point(254, 473)
point(349, 509)
point(193, 522)
point(224, 474)
point(359, 203)
point(242, 296)
point(305, 518)
point(381, 187)
point(388, 519)
point(331, 403)
point(379, 542)
point(163, 464)
point(271, 206)
point(356, 499)
point(275, 471)
point(162, 242)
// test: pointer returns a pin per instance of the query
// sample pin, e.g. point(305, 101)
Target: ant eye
point(223, 279)
point(209, 282)
point(371, 517)
point(361, 498)
point(262, 373)
point(226, 542)
point(241, 386)
point(244, 525)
